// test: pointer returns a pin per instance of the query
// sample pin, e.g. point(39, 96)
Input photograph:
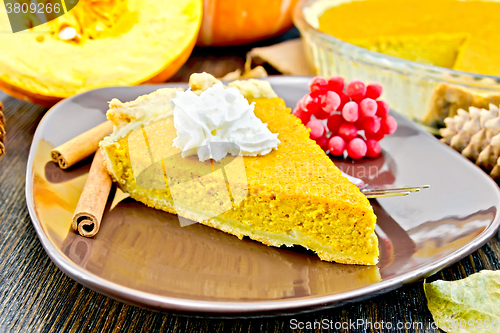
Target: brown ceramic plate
point(143, 256)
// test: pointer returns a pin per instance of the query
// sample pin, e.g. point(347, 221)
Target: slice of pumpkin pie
point(257, 175)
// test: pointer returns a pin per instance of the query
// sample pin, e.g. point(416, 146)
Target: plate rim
point(231, 308)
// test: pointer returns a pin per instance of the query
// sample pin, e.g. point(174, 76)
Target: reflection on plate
point(148, 250)
point(144, 256)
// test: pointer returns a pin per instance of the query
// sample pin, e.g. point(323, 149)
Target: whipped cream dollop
point(219, 115)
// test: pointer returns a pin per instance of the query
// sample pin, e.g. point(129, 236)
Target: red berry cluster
point(346, 119)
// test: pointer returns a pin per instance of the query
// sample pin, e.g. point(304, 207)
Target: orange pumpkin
point(235, 22)
point(99, 43)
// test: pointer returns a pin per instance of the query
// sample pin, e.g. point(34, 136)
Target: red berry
point(330, 101)
point(372, 125)
point(356, 90)
point(360, 123)
point(302, 115)
point(389, 125)
point(311, 104)
point(375, 136)
point(301, 103)
point(356, 148)
point(334, 122)
point(374, 90)
point(317, 129)
point(323, 142)
point(336, 146)
point(372, 148)
point(367, 108)
point(321, 114)
point(318, 85)
point(382, 109)
point(348, 131)
point(344, 99)
point(350, 112)
point(336, 83)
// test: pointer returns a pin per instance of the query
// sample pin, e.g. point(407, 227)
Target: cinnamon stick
point(90, 208)
point(2, 131)
point(80, 147)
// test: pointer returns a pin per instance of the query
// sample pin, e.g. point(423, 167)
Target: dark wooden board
point(36, 296)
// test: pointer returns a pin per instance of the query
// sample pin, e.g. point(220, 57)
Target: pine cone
point(2, 130)
point(476, 134)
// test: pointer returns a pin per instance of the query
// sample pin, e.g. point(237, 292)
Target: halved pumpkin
point(99, 43)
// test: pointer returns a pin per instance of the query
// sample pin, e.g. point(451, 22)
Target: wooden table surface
point(35, 296)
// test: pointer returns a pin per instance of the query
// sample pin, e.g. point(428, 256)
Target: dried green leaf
point(468, 305)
